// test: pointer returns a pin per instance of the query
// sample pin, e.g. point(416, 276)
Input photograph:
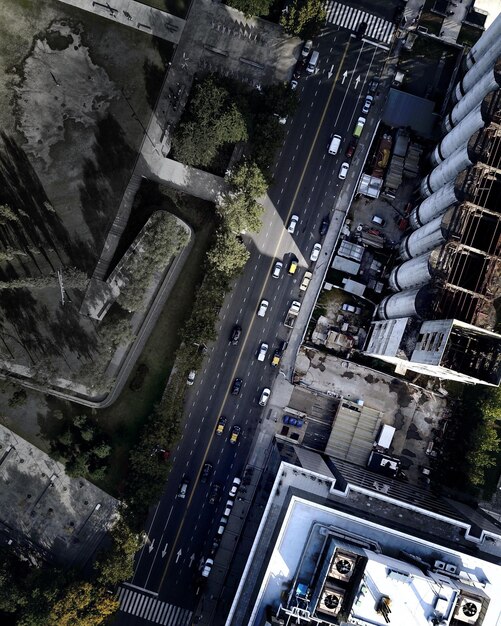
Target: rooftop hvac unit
point(342, 565)
point(331, 601)
point(439, 565)
point(468, 609)
point(451, 569)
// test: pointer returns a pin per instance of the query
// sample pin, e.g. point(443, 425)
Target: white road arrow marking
point(164, 551)
point(178, 555)
point(357, 81)
point(345, 76)
point(192, 558)
point(151, 547)
point(331, 71)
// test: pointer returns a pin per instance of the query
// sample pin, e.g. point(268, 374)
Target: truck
point(292, 313)
point(359, 127)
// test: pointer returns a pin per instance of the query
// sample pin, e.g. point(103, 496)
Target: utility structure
point(440, 321)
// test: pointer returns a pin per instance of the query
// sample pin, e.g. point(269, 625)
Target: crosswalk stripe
point(350, 18)
point(152, 609)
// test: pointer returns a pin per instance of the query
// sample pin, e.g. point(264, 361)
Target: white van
point(334, 144)
point(312, 65)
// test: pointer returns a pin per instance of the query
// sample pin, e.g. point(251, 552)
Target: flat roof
point(404, 109)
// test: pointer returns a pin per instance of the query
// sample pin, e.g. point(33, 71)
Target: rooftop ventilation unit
point(451, 569)
point(439, 565)
point(342, 565)
point(331, 601)
point(468, 609)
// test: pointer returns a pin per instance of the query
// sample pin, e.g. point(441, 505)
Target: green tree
point(212, 119)
point(82, 604)
point(117, 563)
point(239, 207)
point(228, 255)
point(303, 18)
point(251, 7)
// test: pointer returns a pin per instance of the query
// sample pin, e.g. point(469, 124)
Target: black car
point(215, 493)
point(237, 386)
point(235, 335)
point(215, 545)
point(324, 226)
point(206, 472)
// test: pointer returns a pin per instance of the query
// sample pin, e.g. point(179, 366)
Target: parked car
point(343, 170)
point(222, 525)
point(263, 307)
point(235, 335)
point(315, 253)
point(306, 281)
point(221, 423)
point(206, 472)
point(307, 48)
point(234, 487)
point(293, 84)
point(376, 219)
point(292, 421)
point(367, 104)
point(293, 223)
point(275, 359)
point(351, 309)
point(207, 568)
point(263, 349)
point(324, 226)
point(191, 377)
point(277, 269)
point(237, 386)
point(350, 149)
point(228, 507)
point(235, 432)
point(265, 396)
point(215, 493)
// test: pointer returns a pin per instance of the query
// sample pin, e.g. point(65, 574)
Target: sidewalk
point(135, 15)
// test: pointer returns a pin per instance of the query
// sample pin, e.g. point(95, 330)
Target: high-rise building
point(440, 321)
point(338, 544)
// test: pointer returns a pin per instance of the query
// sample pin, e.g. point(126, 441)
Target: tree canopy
point(239, 206)
point(212, 120)
point(303, 18)
point(251, 7)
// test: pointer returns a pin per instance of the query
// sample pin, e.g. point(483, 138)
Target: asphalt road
point(180, 531)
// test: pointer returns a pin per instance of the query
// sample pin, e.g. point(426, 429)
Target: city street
point(181, 531)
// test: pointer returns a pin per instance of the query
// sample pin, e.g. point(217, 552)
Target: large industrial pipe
point(491, 38)
point(458, 136)
point(433, 206)
point(473, 75)
point(490, 81)
point(411, 274)
point(423, 239)
point(459, 160)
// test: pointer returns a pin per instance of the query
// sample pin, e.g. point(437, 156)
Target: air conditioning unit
point(439, 565)
point(330, 601)
point(467, 609)
point(451, 569)
point(342, 565)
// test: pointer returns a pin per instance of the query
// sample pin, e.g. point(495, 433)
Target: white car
point(367, 104)
point(277, 268)
point(234, 487)
point(293, 84)
point(307, 48)
point(229, 506)
point(292, 224)
point(263, 349)
point(315, 253)
point(343, 170)
point(265, 396)
point(191, 377)
point(207, 568)
point(263, 307)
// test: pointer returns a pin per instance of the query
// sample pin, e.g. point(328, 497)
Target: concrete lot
point(412, 410)
point(45, 512)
